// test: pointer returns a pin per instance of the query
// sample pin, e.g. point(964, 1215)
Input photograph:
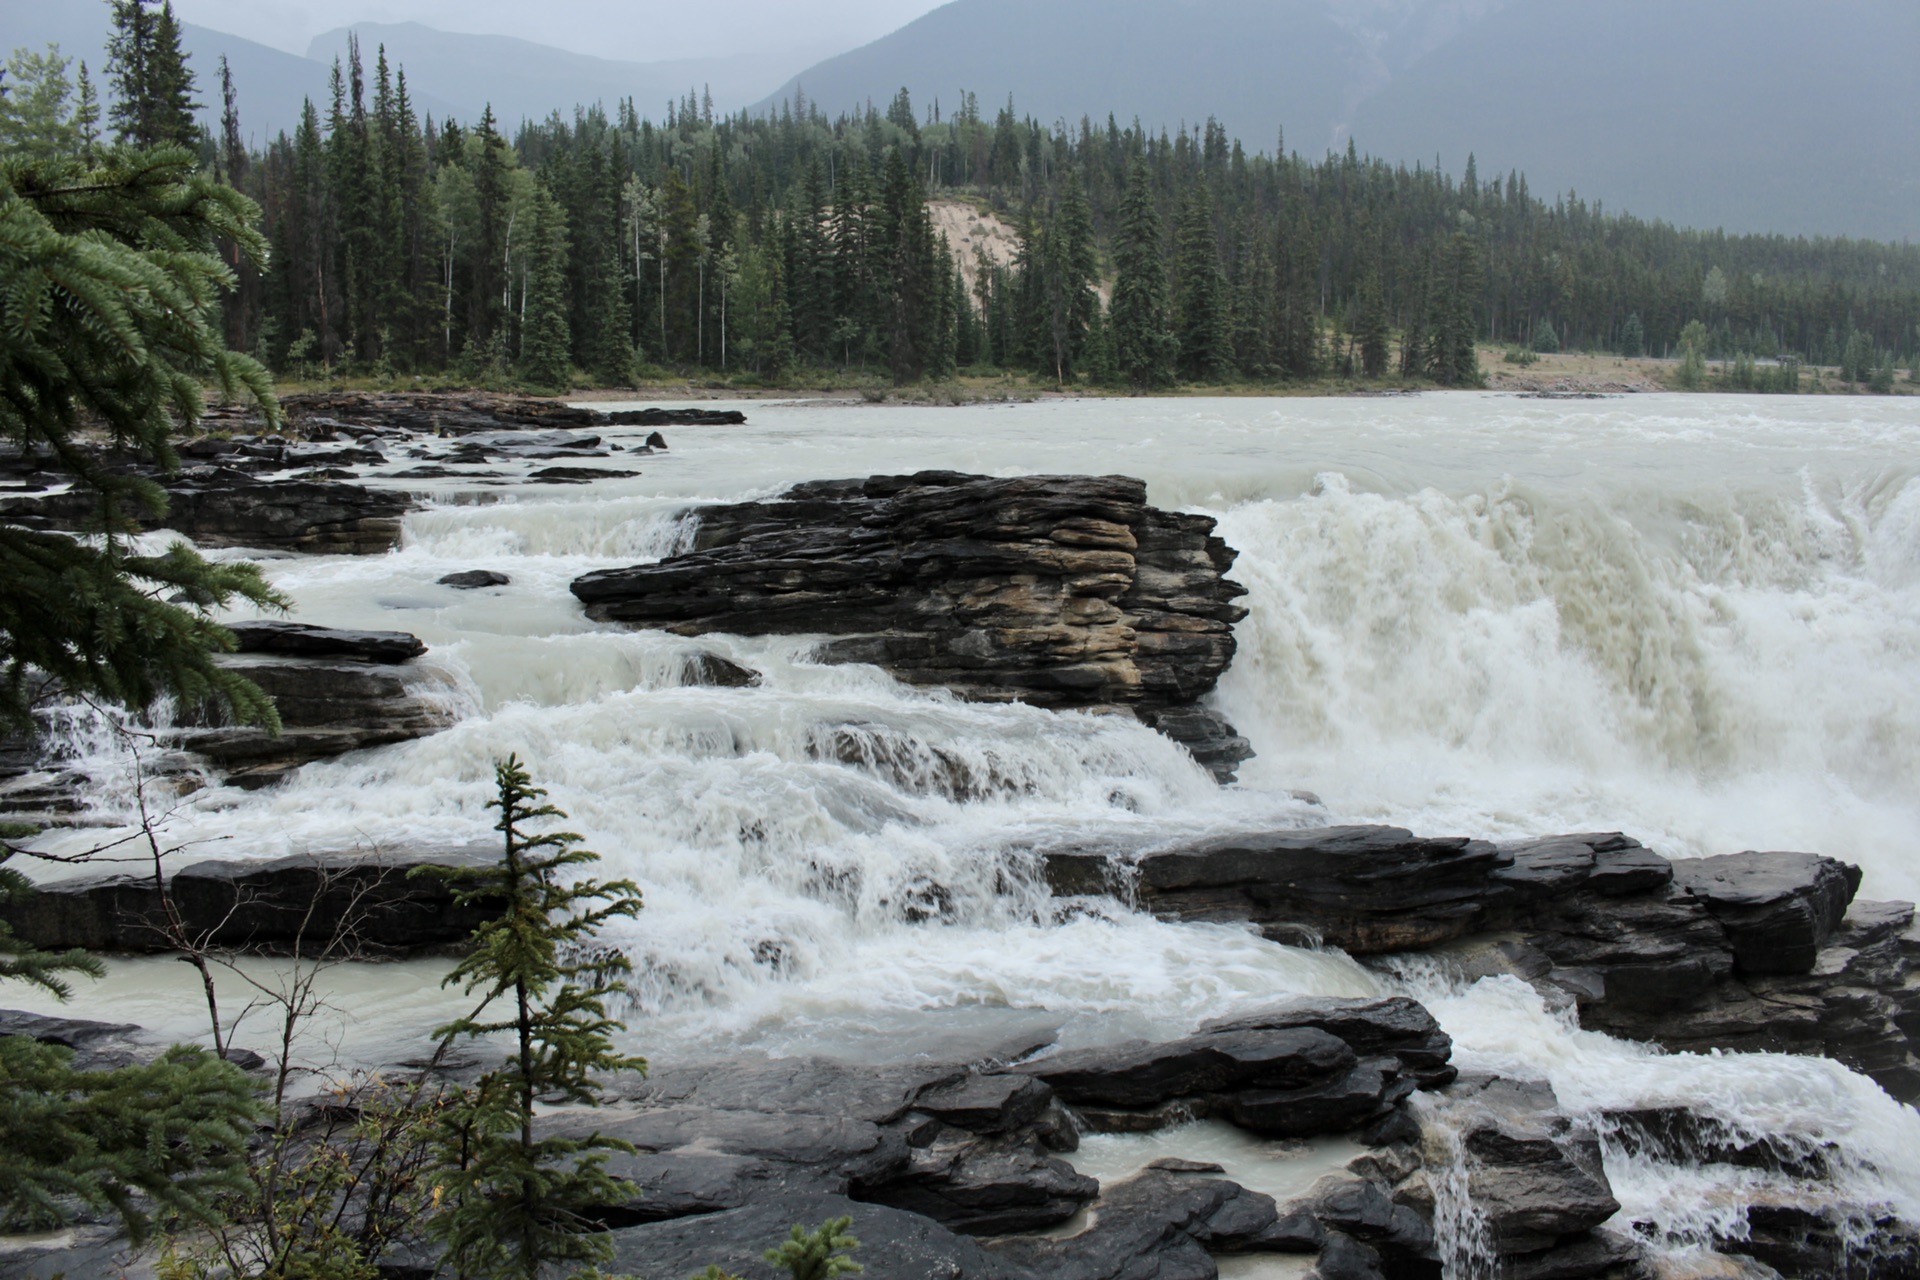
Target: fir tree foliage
point(165, 1136)
point(153, 86)
point(109, 281)
point(35, 119)
point(511, 1202)
point(1200, 303)
point(816, 1254)
point(1142, 333)
point(546, 363)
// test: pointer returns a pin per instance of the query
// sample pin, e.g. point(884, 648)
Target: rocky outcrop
point(223, 507)
point(312, 413)
point(1534, 1186)
point(299, 490)
point(1752, 951)
point(304, 640)
point(1298, 1068)
point(360, 901)
point(1063, 591)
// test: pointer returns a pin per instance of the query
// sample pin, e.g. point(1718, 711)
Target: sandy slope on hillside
point(971, 234)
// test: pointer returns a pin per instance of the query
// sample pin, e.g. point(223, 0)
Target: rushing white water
point(1695, 619)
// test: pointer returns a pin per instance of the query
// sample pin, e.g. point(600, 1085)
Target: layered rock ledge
point(1063, 591)
point(326, 483)
point(1749, 951)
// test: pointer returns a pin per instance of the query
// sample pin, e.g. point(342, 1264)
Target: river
point(1695, 619)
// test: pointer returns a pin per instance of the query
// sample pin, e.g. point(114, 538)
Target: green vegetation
point(510, 1203)
point(792, 248)
point(109, 282)
point(166, 1136)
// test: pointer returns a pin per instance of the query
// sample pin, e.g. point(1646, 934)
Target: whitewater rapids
point(1693, 619)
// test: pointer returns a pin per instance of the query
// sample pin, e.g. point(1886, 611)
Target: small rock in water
point(579, 475)
point(473, 579)
point(301, 639)
point(712, 670)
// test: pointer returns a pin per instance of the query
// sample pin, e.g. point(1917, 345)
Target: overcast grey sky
point(640, 30)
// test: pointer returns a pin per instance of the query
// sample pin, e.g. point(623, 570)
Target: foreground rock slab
point(1063, 591)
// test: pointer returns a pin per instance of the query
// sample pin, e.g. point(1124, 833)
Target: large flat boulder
point(1779, 909)
point(894, 1244)
point(1063, 591)
point(365, 902)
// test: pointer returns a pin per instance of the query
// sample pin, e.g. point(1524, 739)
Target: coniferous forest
point(602, 247)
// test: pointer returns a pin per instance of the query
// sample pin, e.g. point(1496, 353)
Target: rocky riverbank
point(1395, 1164)
point(342, 473)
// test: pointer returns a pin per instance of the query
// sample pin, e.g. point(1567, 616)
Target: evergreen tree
point(487, 273)
point(1143, 342)
point(545, 363)
point(1069, 273)
point(109, 280)
point(153, 87)
point(1545, 339)
point(1692, 374)
point(1370, 329)
point(34, 120)
point(1453, 360)
point(1633, 337)
point(511, 1203)
point(1203, 325)
point(86, 115)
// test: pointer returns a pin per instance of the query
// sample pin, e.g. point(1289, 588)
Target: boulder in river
point(1063, 591)
point(474, 579)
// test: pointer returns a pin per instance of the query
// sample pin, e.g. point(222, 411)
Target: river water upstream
point(1693, 619)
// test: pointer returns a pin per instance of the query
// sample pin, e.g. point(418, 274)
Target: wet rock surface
point(357, 900)
point(1063, 591)
point(1756, 951)
point(326, 483)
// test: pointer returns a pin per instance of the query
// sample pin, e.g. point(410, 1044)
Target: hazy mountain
point(1255, 64)
point(1756, 115)
point(528, 81)
point(1768, 115)
point(271, 84)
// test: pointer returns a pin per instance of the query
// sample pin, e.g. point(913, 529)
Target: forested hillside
point(767, 246)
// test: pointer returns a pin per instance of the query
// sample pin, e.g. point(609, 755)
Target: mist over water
point(1694, 619)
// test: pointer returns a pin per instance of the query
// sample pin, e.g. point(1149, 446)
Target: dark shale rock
point(1143, 1074)
point(1778, 909)
point(263, 905)
point(222, 507)
point(1304, 1067)
point(978, 1186)
point(894, 1245)
point(97, 1046)
point(1392, 1025)
point(970, 1151)
point(1535, 1178)
point(299, 639)
point(714, 671)
point(676, 417)
point(327, 708)
point(1364, 889)
point(579, 475)
point(1154, 1226)
point(1064, 591)
point(1751, 952)
point(473, 579)
point(1344, 1258)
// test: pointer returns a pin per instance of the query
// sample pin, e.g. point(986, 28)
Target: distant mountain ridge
point(523, 80)
point(1753, 115)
